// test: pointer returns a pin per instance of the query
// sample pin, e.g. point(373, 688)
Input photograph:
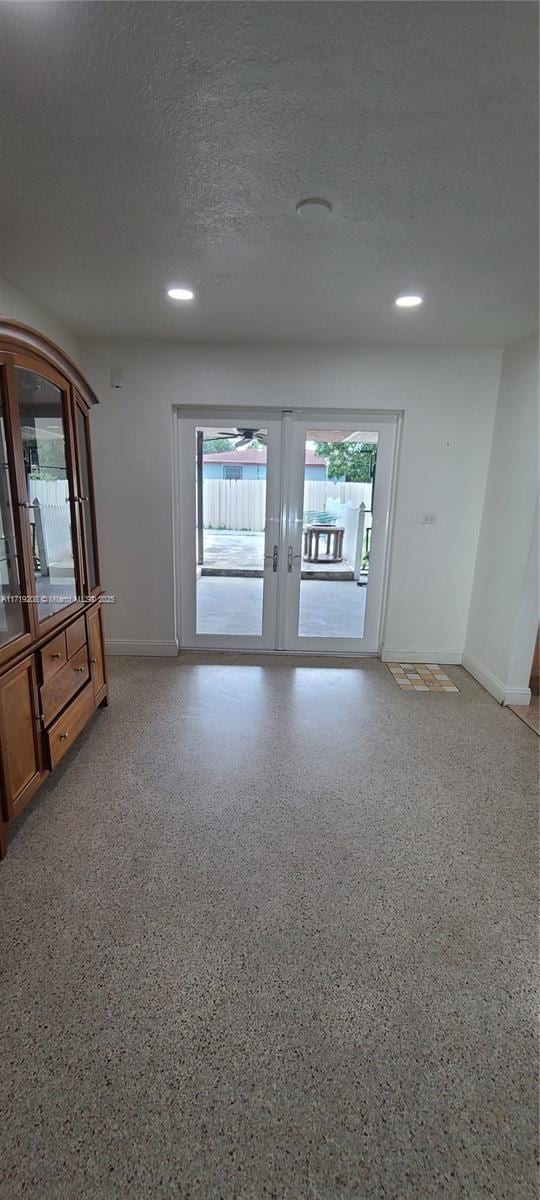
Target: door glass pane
point(84, 480)
point(12, 622)
point(338, 485)
point(230, 471)
point(44, 447)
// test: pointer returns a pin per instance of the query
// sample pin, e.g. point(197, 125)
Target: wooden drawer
point(53, 656)
point(75, 636)
point(67, 728)
point(63, 684)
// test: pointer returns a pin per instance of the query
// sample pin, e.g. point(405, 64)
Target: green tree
point(214, 445)
point(352, 461)
point(45, 458)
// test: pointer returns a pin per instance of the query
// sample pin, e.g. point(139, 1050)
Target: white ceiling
point(147, 144)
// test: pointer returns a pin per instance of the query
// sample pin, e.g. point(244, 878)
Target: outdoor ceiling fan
point(243, 437)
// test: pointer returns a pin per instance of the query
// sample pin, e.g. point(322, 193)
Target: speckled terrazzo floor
point(270, 932)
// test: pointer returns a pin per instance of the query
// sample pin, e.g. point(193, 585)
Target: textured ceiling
point(154, 143)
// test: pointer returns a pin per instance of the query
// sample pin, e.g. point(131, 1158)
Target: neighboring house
point(251, 464)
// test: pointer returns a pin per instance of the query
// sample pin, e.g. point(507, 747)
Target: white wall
point(448, 398)
point(504, 603)
point(19, 308)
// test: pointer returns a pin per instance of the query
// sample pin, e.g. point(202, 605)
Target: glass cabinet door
point(85, 496)
point(43, 417)
point(13, 611)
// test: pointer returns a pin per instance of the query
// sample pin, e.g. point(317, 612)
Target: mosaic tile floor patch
point(421, 677)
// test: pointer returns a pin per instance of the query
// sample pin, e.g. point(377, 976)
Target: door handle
point(273, 558)
point(291, 558)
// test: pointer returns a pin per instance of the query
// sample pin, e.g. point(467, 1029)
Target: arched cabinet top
point(17, 338)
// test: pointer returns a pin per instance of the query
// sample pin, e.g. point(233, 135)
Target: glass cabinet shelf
point(42, 414)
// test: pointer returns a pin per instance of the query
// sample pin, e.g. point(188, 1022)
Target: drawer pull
point(80, 668)
point(58, 654)
point(63, 737)
point(93, 660)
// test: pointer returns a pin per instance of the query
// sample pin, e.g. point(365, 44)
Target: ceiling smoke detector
point(314, 208)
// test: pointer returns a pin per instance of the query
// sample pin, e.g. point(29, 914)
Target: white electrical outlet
point(428, 519)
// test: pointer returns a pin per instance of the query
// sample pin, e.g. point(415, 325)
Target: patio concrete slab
point(234, 548)
point(233, 605)
point(241, 552)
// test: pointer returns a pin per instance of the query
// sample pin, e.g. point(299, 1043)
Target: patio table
point(334, 535)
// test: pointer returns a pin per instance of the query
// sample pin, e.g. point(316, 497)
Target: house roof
point(251, 455)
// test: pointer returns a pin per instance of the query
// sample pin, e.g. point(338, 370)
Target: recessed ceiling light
point(409, 301)
point(178, 293)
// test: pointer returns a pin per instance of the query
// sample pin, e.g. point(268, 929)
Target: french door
point(283, 522)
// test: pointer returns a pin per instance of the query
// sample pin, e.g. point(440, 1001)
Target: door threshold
point(251, 651)
point(327, 576)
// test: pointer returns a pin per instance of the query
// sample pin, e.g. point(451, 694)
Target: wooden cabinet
point(52, 664)
point(97, 654)
point(21, 766)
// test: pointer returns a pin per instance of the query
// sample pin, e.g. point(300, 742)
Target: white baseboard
point(442, 657)
point(151, 649)
point(517, 695)
point(495, 686)
point(489, 681)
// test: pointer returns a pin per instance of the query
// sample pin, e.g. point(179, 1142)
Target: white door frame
point(283, 528)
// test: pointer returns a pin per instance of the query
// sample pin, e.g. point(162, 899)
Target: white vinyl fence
point(234, 504)
point(51, 496)
point(318, 491)
point(240, 503)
